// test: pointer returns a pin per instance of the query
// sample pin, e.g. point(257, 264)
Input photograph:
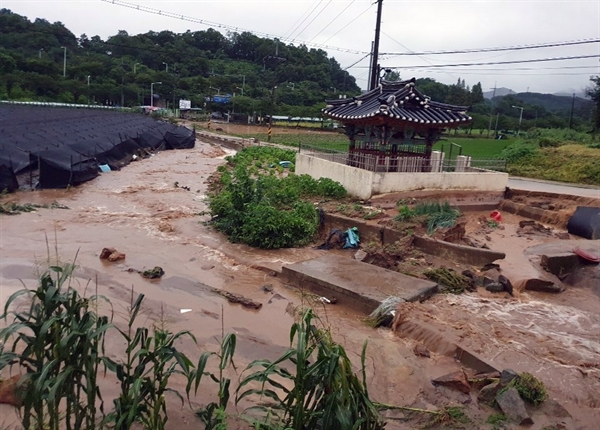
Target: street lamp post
point(64, 61)
point(152, 92)
point(166, 67)
point(520, 118)
point(218, 89)
point(240, 88)
point(40, 53)
point(88, 89)
point(135, 68)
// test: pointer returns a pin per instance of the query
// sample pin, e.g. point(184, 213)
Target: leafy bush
point(405, 213)
point(267, 211)
point(556, 136)
point(531, 389)
point(517, 151)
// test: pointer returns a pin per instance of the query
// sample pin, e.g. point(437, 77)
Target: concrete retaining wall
point(358, 182)
point(363, 183)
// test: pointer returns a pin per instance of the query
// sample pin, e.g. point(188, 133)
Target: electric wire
point(312, 20)
point(344, 27)
point(506, 48)
point(333, 20)
point(537, 60)
point(316, 3)
point(225, 26)
point(287, 33)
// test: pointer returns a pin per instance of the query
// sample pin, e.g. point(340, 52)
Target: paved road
point(553, 187)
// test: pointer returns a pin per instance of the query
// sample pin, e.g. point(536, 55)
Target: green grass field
point(479, 149)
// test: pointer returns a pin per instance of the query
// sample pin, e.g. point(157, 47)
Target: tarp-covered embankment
point(66, 146)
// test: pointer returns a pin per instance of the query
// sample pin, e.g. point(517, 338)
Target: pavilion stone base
point(364, 184)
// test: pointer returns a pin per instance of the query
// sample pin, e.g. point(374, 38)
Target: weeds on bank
point(15, 208)
point(433, 215)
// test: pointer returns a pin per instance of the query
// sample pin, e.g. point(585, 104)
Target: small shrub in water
point(531, 389)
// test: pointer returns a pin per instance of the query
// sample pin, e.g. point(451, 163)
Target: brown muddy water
point(140, 212)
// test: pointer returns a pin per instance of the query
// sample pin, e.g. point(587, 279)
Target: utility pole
point(375, 58)
point(64, 61)
point(572, 109)
point(371, 64)
point(277, 58)
point(492, 110)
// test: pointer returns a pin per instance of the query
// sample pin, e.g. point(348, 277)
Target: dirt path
point(141, 212)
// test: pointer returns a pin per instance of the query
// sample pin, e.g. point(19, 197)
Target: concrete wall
point(479, 181)
point(363, 183)
point(358, 182)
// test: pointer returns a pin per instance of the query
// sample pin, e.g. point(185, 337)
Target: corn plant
point(151, 359)
point(58, 341)
point(214, 414)
point(319, 392)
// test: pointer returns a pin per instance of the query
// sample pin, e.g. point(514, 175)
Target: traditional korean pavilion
point(394, 122)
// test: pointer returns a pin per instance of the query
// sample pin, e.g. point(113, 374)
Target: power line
point(537, 60)
point(317, 3)
point(410, 50)
point(225, 26)
point(355, 18)
point(288, 33)
point(330, 22)
point(507, 48)
point(312, 20)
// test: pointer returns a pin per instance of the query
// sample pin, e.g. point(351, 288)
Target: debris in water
point(9, 391)
point(237, 298)
point(268, 288)
point(385, 312)
point(155, 273)
point(185, 311)
point(421, 350)
point(111, 254)
point(455, 380)
point(451, 281)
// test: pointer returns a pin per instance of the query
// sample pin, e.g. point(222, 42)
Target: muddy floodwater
point(140, 212)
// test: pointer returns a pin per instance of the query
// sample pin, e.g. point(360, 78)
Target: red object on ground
point(497, 216)
point(589, 256)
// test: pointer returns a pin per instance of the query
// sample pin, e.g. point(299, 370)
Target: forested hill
point(191, 65)
point(553, 103)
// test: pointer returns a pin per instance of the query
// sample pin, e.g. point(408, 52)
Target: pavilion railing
point(404, 164)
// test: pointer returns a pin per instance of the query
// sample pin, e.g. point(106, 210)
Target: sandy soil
point(140, 212)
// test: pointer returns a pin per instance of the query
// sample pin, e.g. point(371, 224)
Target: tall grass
point(312, 385)
point(58, 340)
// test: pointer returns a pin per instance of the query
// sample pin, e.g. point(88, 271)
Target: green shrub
point(265, 210)
point(531, 389)
point(405, 213)
point(517, 151)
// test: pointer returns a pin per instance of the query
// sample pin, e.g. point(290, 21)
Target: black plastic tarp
point(180, 138)
point(585, 222)
point(64, 167)
point(151, 139)
point(14, 158)
point(8, 180)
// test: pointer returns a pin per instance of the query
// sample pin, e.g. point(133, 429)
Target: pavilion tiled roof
point(400, 101)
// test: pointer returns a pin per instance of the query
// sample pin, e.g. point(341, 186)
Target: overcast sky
point(418, 25)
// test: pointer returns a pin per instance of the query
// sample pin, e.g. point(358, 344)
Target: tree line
point(261, 75)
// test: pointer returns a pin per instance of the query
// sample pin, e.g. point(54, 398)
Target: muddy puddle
point(153, 211)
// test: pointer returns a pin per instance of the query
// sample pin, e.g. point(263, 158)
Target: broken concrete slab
point(354, 283)
point(560, 264)
point(488, 393)
point(455, 380)
point(507, 376)
point(513, 406)
point(457, 253)
point(542, 285)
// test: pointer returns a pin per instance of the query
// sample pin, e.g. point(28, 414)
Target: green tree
point(477, 94)
point(594, 93)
